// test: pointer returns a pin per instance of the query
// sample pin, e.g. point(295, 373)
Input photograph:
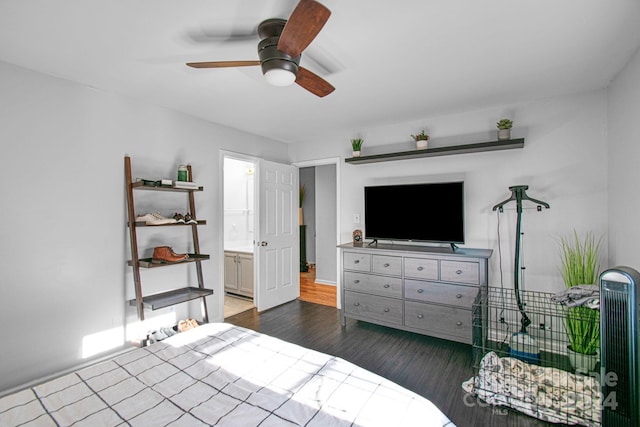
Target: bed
point(222, 375)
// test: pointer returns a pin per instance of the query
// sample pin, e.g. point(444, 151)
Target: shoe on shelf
point(162, 334)
point(188, 219)
point(155, 219)
point(158, 335)
point(168, 331)
point(179, 218)
point(185, 325)
point(166, 254)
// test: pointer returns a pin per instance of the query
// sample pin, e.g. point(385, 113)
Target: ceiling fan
point(280, 49)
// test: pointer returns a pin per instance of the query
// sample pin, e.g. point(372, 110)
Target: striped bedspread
point(220, 375)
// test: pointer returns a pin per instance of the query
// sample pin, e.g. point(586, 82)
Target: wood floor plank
point(318, 293)
point(431, 367)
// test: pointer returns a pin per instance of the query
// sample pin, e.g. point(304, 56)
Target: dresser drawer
point(439, 319)
point(441, 293)
point(380, 285)
point(357, 261)
point(460, 271)
point(373, 307)
point(421, 268)
point(391, 265)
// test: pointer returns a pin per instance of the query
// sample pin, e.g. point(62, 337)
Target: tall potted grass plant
point(580, 266)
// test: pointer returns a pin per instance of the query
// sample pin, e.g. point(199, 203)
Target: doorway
point(239, 235)
point(319, 226)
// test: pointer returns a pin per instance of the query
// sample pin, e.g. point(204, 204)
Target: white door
point(278, 246)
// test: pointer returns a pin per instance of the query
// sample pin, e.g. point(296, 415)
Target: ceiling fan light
point(279, 77)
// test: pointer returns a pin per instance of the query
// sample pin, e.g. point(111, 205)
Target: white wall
point(624, 166)
point(63, 237)
point(564, 162)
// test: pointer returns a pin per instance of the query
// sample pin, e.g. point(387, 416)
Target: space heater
point(620, 366)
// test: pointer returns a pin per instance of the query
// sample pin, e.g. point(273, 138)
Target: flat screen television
point(430, 212)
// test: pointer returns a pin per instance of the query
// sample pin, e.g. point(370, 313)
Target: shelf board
point(169, 298)
point(139, 185)
point(439, 151)
point(144, 224)
point(148, 262)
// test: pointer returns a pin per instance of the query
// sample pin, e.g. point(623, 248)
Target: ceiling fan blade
point(302, 27)
point(313, 83)
point(222, 64)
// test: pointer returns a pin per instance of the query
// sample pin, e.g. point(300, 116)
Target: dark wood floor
point(431, 367)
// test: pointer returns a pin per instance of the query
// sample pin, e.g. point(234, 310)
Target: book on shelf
point(149, 182)
point(185, 184)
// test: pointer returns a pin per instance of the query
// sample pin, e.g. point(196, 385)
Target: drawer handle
point(458, 271)
point(356, 281)
point(420, 291)
point(459, 296)
point(386, 285)
point(420, 316)
point(420, 268)
point(459, 323)
point(386, 264)
point(356, 304)
point(356, 261)
point(386, 310)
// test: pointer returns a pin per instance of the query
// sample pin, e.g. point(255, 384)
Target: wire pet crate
point(528, 368)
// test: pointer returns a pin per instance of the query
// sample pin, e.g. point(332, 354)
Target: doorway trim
point(323, 162)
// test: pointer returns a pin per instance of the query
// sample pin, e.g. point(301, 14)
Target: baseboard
point(322, 282)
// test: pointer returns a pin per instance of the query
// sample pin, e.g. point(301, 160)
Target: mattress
point(220, 375)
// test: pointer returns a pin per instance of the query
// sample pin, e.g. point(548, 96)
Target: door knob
point(264, 243)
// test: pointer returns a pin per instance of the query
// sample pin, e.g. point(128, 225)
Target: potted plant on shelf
point(356, 146)
point(421, 139)
point(580, 265)
point(504, 128)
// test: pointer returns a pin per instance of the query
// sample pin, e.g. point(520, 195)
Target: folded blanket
point(579, 295)
point(549, 394)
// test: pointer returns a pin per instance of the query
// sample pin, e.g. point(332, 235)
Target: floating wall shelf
point(439, 151)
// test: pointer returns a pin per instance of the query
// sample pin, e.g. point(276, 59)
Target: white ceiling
point(390, 62)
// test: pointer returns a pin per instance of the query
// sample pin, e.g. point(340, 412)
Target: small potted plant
point(356, 146)
point(580, 265)
point(421, 140)
point(504, 129)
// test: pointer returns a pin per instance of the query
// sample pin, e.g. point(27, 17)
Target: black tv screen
point(431, 212)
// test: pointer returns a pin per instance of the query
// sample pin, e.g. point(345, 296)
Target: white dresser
point(429, 290)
